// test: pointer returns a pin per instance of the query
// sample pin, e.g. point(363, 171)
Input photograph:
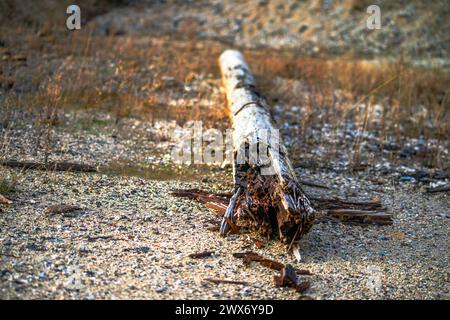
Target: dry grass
point(143, 77)
point(45, 15)
point(414, 101)
point(9, 181)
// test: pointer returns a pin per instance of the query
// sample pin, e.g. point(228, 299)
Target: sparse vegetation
point(341, 86)
point(126, 79)
point(360, 120)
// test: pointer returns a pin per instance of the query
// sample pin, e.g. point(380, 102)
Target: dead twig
point(313, 184)
point(227, 221)
point(217, 281)
point(199, 255)
point(258, 243)
point(218, 203)
point(50, 166)
point(250, 256)
point(321, 203)
point(444, 188)
point(4, 200)
point(288, 278)
point(108, 237)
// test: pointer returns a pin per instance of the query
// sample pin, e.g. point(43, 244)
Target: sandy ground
point(147, 236)
point(131, 239)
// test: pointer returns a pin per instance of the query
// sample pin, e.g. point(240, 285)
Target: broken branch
point(50, 166)
point(361, 216)
point(272, 202)
point(199, 255)
point(217, 281)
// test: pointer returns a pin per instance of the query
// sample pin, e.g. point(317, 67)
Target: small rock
point(82, 248)
point(143, 250)
point(246, 291)
point(89, 296)
point(217, 294)
point(303, 28)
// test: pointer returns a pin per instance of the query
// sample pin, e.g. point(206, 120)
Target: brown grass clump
point(412, 98)
point(46, 70)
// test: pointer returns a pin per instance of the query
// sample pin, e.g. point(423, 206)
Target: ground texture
point(113, 98)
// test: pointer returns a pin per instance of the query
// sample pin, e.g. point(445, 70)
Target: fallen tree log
point(49, 166)
point(267, 192)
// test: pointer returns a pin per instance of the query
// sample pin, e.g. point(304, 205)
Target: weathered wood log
point(321, 203)
point(267, 192)
point(50, 166)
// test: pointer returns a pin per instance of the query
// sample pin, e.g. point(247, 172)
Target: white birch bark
point(258, 195)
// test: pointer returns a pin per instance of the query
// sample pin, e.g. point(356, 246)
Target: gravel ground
point(131, 239)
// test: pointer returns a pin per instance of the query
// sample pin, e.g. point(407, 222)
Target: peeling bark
point(274, 203)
